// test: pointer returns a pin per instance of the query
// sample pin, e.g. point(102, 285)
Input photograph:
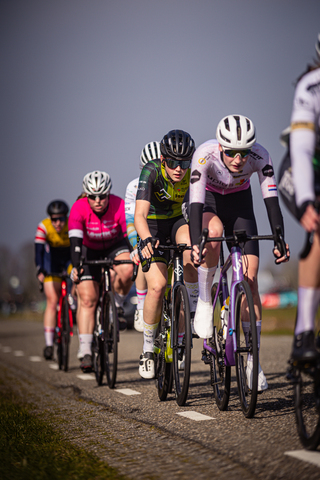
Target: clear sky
point(86, 84)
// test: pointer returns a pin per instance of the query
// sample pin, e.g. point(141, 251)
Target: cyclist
point(220, 199)
point(300, 195)
point(52, 255)
point(162, 186)
point(151, 151)
point(97, 229)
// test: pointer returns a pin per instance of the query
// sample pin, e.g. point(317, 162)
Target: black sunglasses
point(56, 219)
point(176, 163)
point(101, 197)
point(234, 153)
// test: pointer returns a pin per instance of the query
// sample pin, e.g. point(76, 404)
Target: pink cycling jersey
point(98, 232)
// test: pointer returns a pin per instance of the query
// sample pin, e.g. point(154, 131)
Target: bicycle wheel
point(163, 369)
point(181, 349)
point(247, 350)
point(98, 349)
point(220, 373)
point(110, 326)
point(65, 334)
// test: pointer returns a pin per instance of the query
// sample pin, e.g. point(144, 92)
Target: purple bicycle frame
point(234, 260)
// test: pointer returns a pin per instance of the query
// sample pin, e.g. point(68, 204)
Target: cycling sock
point(49, 336)
point(119, 299)
point(205, 279)
point(85, 340)
point(180, 338)
point(308, 301)
point(193, 294)
point(258, 324)
point(141, 295)
point(149, 334)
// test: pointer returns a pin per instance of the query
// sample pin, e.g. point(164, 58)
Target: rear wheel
point(247, 361)
point(220, 373)
point(181, 344)
point(163, 369)
point(98, 349)
point(110, 326)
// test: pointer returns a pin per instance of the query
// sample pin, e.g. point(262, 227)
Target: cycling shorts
point(93, 272)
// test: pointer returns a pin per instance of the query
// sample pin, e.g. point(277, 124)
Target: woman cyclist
point(299, 196)
point(151, 151)
point(52, 255)
point(162, 186)
point(220, 199)
point(97, 229)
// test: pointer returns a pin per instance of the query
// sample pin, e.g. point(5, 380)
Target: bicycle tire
point(181, 322)
point(98, 349)
point(163, 369)
point(220, 373)
point(58, 337)
point(110, 327)
point(247, 391)
point(65, 333)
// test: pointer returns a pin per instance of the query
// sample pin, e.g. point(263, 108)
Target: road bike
point(173, 342)
point(106, 329)
point(230, 345)
point(305, 379)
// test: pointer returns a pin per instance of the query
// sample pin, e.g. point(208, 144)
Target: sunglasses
point(101, 197)
point(176, 163)
point(57, 219)
point(234, 153)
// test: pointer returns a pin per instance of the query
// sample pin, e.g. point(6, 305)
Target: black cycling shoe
point(48, 353)
point(304, 350)
point(86, 364)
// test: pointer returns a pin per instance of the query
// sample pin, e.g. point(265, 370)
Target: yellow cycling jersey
point(46, 233)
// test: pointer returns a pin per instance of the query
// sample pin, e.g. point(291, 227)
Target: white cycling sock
point(141, 295)
point(193, 294)
point(49, 336)
point(119, 299)
point(205, 280)
point(85, 340)
point(308, 301)
point(149, 334)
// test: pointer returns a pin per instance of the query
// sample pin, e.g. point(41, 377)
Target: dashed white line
point(6, 349)
point(54, 366)
point(35, 359)
point(86, 376)
point(306, 456)
point(127, 391)
point(198, 417)
point(18, 353)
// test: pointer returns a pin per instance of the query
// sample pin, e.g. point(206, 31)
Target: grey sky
point(86, 84)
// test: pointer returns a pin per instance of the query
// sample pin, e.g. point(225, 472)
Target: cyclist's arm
point(195, 222)
point(140, 219)
point(40, 241)
point(130, 205)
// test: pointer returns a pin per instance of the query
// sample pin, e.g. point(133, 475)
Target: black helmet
point(57, 207)
point(177, 144)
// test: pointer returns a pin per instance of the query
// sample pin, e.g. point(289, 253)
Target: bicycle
point(230, 345)
point(306, 385)
point(173, 342)
point(106, 329)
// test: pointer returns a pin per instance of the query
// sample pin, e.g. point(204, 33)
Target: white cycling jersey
point(304, 137)
point(210, 173)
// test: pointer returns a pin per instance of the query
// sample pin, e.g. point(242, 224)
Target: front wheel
point(247, 361)
point(181, 344)
point(162, 364)
point(65, 334)
point(98, 349)
point(110, 326)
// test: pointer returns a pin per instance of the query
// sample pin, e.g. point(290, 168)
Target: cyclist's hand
point(147, 249)
point(74, 275)
point(134, 256)
point(195, 255)
point(279, 258)
point(310, 220)
point(41, 277)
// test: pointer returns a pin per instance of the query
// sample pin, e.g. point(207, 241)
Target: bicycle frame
point(64, 294)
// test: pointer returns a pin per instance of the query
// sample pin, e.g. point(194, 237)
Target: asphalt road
point(144, 438)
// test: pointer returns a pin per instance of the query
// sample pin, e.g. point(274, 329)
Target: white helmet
point(236, 132)
point(151, 151)
point(96, 183)
point(318, 46)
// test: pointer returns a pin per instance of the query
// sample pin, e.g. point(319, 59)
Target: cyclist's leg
point(141, 289)
point(52, 292)
point(88, 294)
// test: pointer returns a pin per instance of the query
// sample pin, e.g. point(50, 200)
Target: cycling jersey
point(305, 137)
point(130, 206)
point(52, 248)
point(164, 196)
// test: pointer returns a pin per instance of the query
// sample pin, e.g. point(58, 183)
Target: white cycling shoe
point(138, 320)
point(146, 365)
point(262, 381)
point(203, 319)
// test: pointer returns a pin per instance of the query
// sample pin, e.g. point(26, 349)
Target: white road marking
point(306, 456)
point(18, 353)
point(35, 359)
point(54, 366)
point(6, 349)
point(198, 417)
point(86, 376)
point(128, 391)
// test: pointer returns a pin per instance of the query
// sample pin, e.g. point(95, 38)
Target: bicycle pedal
point(206, 360)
